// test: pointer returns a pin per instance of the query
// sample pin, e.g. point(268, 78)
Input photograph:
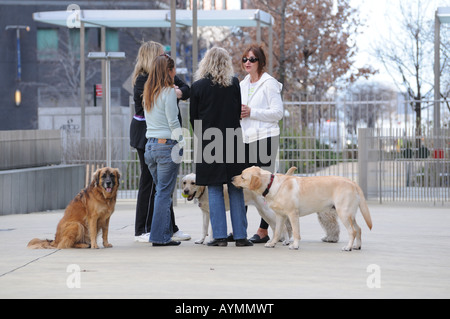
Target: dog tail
point(291, 170)
point(37, 243)
point(364, 208)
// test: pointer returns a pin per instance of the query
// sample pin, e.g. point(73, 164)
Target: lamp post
point(18, 94)
point(107, 56)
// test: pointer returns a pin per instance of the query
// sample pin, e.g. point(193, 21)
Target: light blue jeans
point(218, 214)
point(164, 171)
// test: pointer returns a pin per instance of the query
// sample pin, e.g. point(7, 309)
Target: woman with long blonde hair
point(147, 53)
point(146, 194)
point(215, 107)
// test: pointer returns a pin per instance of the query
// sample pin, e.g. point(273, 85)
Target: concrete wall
point(69, 119)
point(29, 148)
point(31, 177)
point(39, 189)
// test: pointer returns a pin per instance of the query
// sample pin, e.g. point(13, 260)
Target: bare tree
point(407, 54)
point(377, 101)
point(313, 48)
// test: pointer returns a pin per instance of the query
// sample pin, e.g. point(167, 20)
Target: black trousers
point(263, 153)
point(146, 199)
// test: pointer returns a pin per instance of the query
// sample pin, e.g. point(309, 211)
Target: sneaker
point(144, 238)
point(180, 236)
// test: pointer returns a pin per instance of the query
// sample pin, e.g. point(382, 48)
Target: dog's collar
point(201, 193)
point(269, 186)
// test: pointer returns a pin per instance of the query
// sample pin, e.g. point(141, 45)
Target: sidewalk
point(406, 255)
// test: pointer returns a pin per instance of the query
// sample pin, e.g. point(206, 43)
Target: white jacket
point(266, 108)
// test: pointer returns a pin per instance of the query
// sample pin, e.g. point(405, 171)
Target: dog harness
point(268, 186)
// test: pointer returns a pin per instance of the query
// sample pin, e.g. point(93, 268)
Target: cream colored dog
point(200, 193)
point(292, 197)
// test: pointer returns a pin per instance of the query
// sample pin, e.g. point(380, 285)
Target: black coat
point(219, 109)
point(139, 128)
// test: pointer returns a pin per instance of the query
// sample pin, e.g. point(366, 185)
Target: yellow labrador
point(292, 197)
point(192, 191)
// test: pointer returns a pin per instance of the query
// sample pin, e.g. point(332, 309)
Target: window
point(47, 44)
point(74, 42)
point(112, 40)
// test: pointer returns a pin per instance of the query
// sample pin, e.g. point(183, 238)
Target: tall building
point(46, 68)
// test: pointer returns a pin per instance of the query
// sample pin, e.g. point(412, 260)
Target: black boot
point(243, 242)
point(222, 242)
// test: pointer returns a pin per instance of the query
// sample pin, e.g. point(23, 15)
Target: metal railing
point(321, 137)
point(399, 167)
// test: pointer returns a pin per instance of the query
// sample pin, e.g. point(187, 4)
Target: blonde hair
point(158, 79)
point(147, 53)
point(218, 65)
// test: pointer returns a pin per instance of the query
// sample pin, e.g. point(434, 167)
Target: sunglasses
point(252, 60)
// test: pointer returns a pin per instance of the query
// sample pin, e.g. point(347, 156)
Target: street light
point(107, 56)
point(18, 94)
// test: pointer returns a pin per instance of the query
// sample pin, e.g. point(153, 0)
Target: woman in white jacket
point(262, 109)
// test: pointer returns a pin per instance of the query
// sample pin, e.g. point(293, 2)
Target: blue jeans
point(218, 213)
point(164, 172)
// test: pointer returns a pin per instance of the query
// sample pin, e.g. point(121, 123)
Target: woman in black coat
point(215, 109)
point(146, 194)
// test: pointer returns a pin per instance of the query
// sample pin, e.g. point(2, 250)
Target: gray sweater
point(162, 120)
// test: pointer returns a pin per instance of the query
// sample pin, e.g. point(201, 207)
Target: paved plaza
point(406, 255)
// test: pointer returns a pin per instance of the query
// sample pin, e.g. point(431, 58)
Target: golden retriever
point(87, 214)
point(292, 197)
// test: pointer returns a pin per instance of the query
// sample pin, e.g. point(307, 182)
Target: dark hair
point(259, 53)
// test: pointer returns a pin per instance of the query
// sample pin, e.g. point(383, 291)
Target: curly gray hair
point(218, 65)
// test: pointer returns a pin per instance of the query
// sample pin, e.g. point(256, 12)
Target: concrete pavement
point(406, 255)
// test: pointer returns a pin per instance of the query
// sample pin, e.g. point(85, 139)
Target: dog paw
point(200, 241)
point(107, 245)
point(269, 245)
point(293, 247)
point(346, 248)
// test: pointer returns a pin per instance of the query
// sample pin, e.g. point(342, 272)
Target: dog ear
point(200, 190)
point(117, 172)
point(255, 183)
point(96, 178)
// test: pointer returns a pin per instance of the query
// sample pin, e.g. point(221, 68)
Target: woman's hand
point(245, 111)
point(178, 92)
